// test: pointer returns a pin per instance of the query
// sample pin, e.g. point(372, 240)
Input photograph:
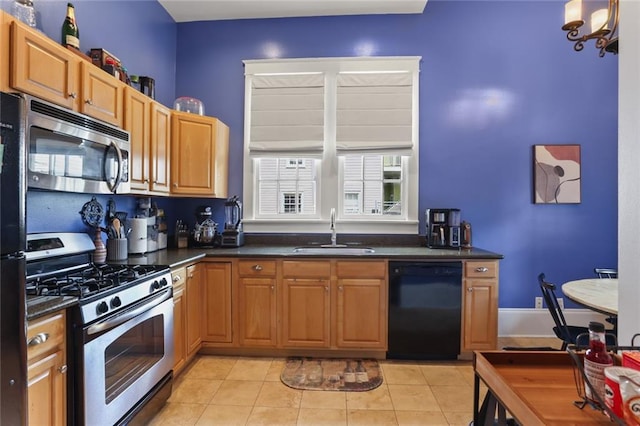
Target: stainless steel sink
point(334, 250)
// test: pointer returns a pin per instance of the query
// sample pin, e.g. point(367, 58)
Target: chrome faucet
point(333, 226)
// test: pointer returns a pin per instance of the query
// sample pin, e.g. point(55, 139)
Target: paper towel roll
point(138, 235)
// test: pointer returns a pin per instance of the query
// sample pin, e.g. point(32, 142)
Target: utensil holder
point(117, 249)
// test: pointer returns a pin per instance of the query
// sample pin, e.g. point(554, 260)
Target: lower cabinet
point(187, 314)
point(179, 320)
point(194, 307)
point(46, 370)
point(217, 318)
point(361, 304)
point(480, 305)
point(257, 322)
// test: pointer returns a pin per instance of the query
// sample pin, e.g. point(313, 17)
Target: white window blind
point(374, 113)
point(287, 115)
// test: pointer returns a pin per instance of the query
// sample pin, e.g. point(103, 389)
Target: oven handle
point(156, 300)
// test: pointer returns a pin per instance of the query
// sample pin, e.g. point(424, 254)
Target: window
point(331, 133)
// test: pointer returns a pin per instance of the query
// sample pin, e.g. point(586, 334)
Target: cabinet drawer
point(44, 334)
point(481, 269)
point(306, 269)
point(346, 269)
point(178, 277)
point(257, 268)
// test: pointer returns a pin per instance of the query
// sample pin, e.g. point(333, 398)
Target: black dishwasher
point(424, 310)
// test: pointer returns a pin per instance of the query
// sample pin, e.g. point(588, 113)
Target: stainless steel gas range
point(120, 334)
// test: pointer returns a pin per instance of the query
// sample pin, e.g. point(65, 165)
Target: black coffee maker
point(232, 235)
point(443, 228)
point(205, 231)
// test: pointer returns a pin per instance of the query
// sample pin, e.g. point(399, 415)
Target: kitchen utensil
point(111, 210)
point(122, 216)
point(116, 227)
point(232, 235)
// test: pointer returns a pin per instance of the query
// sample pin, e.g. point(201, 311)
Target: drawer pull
point(257, 267)
point(63, 369)
point(177, 278)
point(38, 339)
point(482, 269)
point(73, 95)
point(88, 102)
point(470, 289)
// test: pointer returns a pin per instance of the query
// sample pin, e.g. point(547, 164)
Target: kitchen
point(458, 122)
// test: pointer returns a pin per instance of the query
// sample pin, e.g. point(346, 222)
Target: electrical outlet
point(561, 302)
point(538, 302)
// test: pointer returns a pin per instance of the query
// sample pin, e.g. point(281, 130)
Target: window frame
point(329, 164)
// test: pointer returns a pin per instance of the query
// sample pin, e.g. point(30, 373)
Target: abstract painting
point(556, 174)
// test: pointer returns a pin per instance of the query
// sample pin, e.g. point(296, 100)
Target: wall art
point(556, 174)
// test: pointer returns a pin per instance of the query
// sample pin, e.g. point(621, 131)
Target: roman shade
point(374, 113)
point(287, 115)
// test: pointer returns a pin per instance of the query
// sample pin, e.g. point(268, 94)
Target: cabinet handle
point(73, 95)
point(257, 267)
point(145, 181)
point(273, 287)
point(190, 276)
point(326, 288)
point(482, 269)
point(470, 289)
point(176, 278)
point(63, 369)
point(175, 185)
point(88, 102)
point(38, 339)
point(340, 287)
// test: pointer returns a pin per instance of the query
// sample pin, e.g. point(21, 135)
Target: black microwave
point(72, 152)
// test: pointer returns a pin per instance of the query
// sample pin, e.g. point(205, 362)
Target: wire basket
point(582, 381)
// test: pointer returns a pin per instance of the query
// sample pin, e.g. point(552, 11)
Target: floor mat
point(331, 374)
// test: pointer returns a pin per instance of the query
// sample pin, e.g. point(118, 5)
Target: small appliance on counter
point(443, 228)
point(205, 231)
point(232, 235)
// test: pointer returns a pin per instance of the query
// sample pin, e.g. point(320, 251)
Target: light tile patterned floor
point(248, 391)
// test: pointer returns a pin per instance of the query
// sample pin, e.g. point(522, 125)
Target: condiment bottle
point(596, 359)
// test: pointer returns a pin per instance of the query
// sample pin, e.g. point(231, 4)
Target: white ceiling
point(210, 10)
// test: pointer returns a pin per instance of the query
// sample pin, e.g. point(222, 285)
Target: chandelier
point(604, 26)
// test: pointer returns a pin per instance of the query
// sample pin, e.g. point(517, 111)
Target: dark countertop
point(41, 305)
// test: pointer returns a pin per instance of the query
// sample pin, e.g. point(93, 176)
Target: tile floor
point(228, 391)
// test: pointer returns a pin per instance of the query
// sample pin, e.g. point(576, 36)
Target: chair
point(564, 332)
point(608, 273)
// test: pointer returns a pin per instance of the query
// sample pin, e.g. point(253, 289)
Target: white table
point(599, 294)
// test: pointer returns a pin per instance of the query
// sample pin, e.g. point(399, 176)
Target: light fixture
point(604, 26)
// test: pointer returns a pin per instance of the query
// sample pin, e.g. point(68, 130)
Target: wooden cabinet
point(137, 119)
point(46, 370)
point(5, 37)
point(361, 304)
point(43, 68)
point(160, 149)
point(306, 303)
point(480, 305)
point(179, 320)
point(199, 155)
point(217, 325)
point(194, 306)
point(257, 319)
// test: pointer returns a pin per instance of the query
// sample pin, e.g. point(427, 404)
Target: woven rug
point(330, 374)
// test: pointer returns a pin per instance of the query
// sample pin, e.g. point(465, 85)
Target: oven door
point(125, 356)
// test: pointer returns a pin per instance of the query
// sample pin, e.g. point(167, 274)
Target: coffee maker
point(443, 228)
point(232, 235)
point(205, 231)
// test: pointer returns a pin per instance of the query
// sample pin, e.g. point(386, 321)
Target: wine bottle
point(70, 32)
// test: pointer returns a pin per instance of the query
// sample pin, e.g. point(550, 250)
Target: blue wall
point(496, 78)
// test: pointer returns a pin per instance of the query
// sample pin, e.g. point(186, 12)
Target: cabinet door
point(43, 68)
point(160, 145)
point(102, 95)
point(179, 329)
point(194, 309)
point(306, 310)
point(137, 114)
point(217, 299)
point(199, 155)
point(361, 313)
point(47, 390)
point(5, 37)
point(257, 311)
point(480, 314)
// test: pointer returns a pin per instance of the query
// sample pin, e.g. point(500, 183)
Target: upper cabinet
point(199, 155)
point(43, 68)
point(5, 36)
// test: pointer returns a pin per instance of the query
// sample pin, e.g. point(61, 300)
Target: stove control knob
point(163, 282)
point(102, 308)
point(116, 302)
point(155, 285)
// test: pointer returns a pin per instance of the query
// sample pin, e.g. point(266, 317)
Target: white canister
point(138, 235)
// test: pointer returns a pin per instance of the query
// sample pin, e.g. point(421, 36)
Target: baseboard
point(538, 322)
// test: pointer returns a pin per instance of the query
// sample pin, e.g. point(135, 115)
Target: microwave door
point(113, 167)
